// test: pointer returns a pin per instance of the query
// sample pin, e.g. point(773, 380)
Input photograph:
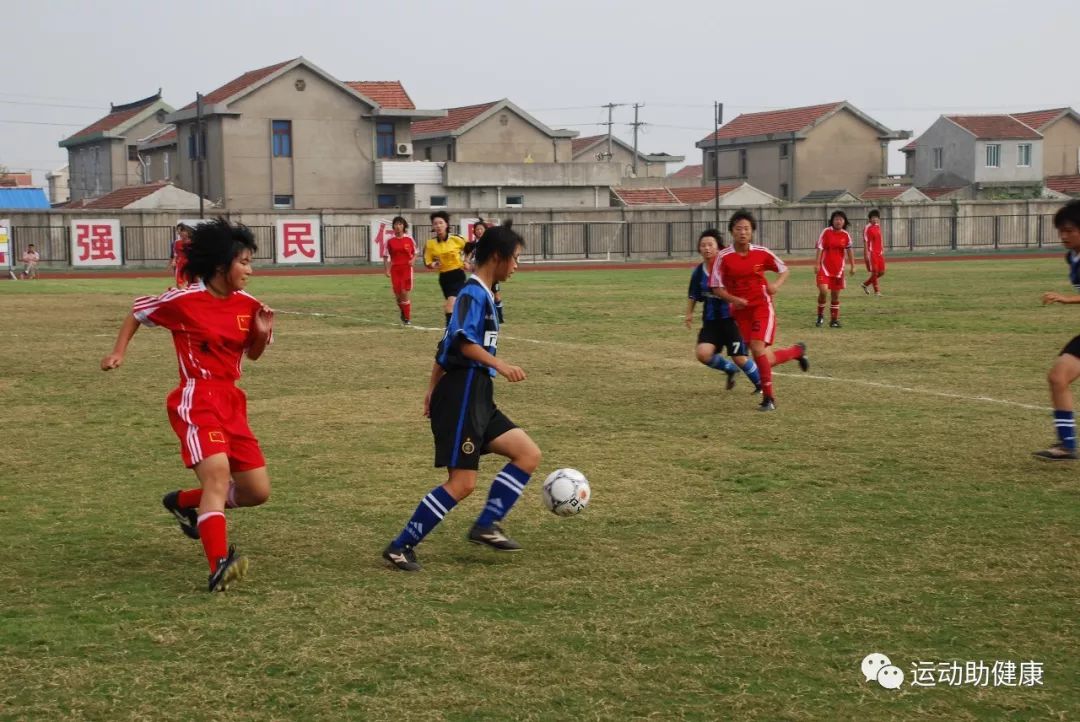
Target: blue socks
point(1066, 429)
point(508, 485)
point(428, 514)
point(750, 369)
point(720, 363)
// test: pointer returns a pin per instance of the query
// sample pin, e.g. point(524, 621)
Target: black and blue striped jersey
point(474, 320)
point(714, 308)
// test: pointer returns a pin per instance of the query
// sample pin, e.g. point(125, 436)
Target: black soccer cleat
point(835, 324)
point(820, 321)
point(188, 519)
point(865, 289)
point(767, 404)
point(402, 558)
point(229, 569)
point(493, 537)
point(804, 363)
point(1057, 452)
point(731, 379)
point(757, 390)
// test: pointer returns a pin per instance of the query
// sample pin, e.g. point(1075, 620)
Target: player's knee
point(703, 355)
point(1058, 377)
point(528, 460)
point(460, 486)
point(258, 495)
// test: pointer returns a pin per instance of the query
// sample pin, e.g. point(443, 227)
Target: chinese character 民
point(298, 239)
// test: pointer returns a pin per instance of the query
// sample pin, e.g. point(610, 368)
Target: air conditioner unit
point(404, 148)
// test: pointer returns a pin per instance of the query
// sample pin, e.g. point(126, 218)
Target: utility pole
point(718, 119)
point(610, 109)
point(200, 151)
point(636, 124)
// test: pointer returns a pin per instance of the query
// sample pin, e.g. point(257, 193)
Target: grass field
point(732, 565)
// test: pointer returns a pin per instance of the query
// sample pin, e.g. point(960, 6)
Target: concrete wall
point(1007, 170)
point(958, 146)
point(59, 186)
point(765, 168)
point(841, 152)
point(506, 137)
point(157, 167)
point(169, 197)
point(90, 168)
point(1061, 146)
point(531, 174)
point(624, 158)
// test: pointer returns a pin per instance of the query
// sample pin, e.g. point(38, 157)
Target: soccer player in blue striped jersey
point(718, 328)
point(464, 419)
point(1067, 367)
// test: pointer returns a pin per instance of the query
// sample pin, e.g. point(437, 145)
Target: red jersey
point(744, 276)
point(402, 251)
point(210, 334)
point(179, 251)
point(833, 244)
point(872, 242)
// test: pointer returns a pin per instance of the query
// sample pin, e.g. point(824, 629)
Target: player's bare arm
point(721, 292)
point(773, 286)
point(850, 262)
point(475, 352)
point(261, 328)
point(1054, 297)
point(690, 313)
point(123, 338)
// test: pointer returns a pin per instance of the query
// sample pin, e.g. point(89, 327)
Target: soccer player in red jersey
point(398, 262)
point(179, 254)
point(214, 323)
point(833, 244)
point(873, 252)
point(738, 277)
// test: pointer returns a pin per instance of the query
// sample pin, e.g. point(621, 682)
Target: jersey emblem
point(217, 437)
point(468, 447)
point(491, 339)
point(244, 322)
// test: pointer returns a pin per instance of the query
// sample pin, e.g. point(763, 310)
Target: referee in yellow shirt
point(445, 251)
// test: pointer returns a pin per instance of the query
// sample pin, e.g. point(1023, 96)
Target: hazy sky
point(904, 63)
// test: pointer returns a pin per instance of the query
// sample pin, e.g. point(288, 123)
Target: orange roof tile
point(690, 171)
point(671, 196)
point(691, 196)
point(788, 120)
point(994, 127)
point(1038, 118)
point(883, 193)
point(387, 93)
point(579, 144)
point(123, 197)
point(935, 193)
point(1067, 184)
point(910, 146)
point(455, 118)
point(234, 86)
point(118, 116)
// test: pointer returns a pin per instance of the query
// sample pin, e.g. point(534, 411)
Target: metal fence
point(606, 240)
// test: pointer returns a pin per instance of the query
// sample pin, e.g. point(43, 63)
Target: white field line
point(816, 377)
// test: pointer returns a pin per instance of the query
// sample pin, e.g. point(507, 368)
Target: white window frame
point(1023, 149)
point(445, 202)
point(995, 150)
point(166, 163)
point(520, 204)
point(939, 158)
point(283, 206)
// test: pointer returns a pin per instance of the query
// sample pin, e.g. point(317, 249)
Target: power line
point(38, 122)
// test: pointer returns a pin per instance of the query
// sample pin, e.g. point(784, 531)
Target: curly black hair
point(214, 246)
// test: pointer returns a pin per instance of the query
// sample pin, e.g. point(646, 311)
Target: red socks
point(783, 355)
point(765, 371)
point(406, 309)
point(820, 310)
point(834, 312)
point(189, 498)
point(215, 539)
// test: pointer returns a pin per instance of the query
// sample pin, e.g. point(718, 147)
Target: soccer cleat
point(406, 322)
point(804, 363)
point(820, 321)
point(866, 289)
point(767, 404)
point(493, 537)
point(731, 380)
point(1057, 452)
point(835, 324)
point(402, 558)
point(757, 389)
point(877, 294)
point(229, 569)
point(188, 519)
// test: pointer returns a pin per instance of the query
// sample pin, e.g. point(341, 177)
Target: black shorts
point(464, 418)
point(1072, 347)
point(723, 334)
point(451, 282)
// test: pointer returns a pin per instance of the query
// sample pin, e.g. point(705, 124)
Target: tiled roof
point(935, 193)
point(579, 144)
point(1038, 118)
point(690, 171)
point(789, 120)
point(234, 86)
point(120, 115)
point(455, 118)
point(823, 195)
point(994, 127)
point(883, 193)
point(123, 197)
point(167, 136)
point(1067, 184)
point(387, 93)
point(671, 196)
point(16, 179)
point(910, 146)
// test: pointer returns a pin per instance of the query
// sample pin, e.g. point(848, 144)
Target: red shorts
point(833, 283)
point(757, 322)
point(210, 417)
point(401, 278)
point(876, 264)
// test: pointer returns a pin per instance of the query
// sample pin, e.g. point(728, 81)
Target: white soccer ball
point(566, 492)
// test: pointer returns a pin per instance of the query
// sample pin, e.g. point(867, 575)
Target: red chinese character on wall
point(96, 242)
point(298, 239)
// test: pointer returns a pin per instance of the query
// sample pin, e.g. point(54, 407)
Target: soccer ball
point(566, 492)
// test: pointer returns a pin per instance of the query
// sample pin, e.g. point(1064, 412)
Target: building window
point(939, 159)
point(387, 200)
point(783, 150)
point(1023, 156)
point(166, 162)
point(450, 152)
point(784, 191)
point(282, 202)
point(742, 163)
point(282, 135)
point(133, 152)
point(384, 140)
point(427, 153)
point(191, 144)
point(438, 202)
point(993, 155)
point(515, 201)
point(711, 168)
